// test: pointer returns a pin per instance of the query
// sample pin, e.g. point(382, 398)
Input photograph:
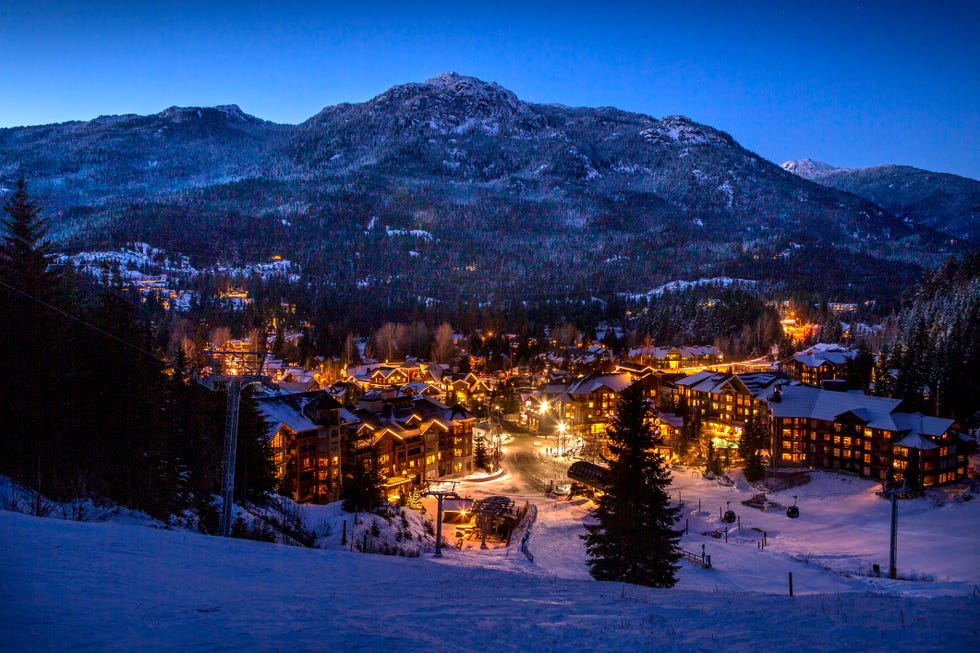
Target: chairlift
point(729, 517)
point(793, 511)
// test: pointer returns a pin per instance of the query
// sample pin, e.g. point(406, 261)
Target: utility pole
point(234, 368)
point(440, 491)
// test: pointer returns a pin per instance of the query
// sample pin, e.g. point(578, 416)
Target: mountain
point(516, 198)
point(947, 203)
point(808, 168)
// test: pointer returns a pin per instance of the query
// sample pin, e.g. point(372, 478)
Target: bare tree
point(443, 347)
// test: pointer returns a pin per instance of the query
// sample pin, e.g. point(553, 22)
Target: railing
point(702, 560)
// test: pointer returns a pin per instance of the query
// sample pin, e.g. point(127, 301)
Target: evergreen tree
point(32, 344)
point(754, 440)
point(480, 452)
point(361, 487)
point(634, 540)
point(255, 472)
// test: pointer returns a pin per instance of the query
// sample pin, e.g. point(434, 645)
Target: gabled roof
point(287, 410)
point(688, 352)
point(595, 382)
point(408, 419)
point(707, 381)
point(874, 412)
point(823, 354)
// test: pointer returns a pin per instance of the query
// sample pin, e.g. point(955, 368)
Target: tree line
point(95, 410)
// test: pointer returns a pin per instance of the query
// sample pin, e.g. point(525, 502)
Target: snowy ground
point(112, 585)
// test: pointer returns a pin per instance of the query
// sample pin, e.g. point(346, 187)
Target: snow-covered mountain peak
point(228, 111)
point(465, 85)
point(683, 131)
point(808, 168)
point(453, 94)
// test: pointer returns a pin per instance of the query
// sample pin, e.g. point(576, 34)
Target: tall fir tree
point(633, 539)
point(754, 439)
point(361, 486)
point(32, 343)
point(480, 458)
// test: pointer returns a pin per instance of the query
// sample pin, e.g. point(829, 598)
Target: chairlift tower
point(232, 368)
point(441, 490)
point(893, 491)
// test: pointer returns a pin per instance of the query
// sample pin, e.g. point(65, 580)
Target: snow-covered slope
point(118, 586)
point(105, 587)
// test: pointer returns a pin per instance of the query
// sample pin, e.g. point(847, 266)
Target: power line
point(79, 320)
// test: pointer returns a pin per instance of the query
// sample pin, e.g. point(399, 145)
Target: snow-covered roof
point(287, 410)
point(688, 352)
point(824, 354)
point(595, 382)
point(874, 412)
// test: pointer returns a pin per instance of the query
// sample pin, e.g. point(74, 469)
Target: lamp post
point(562, 429)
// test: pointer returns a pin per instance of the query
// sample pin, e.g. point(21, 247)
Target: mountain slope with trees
point(456, 190)
point(135, 435)
point(947, 203)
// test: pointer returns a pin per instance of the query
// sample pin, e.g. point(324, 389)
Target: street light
point(561, 437)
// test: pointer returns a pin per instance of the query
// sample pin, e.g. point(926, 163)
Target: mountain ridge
point(532, 190)
point(942, 201)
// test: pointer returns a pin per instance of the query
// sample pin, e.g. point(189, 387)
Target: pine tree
point(634, 540)
point(480, 452)
point(32, 344)
point(754, 440)
point(361, 487)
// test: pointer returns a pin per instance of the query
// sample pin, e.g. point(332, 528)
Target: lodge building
point(819, 363)
point(306, 431)
point(872, 437)
point(725, 401)
point(414, 437)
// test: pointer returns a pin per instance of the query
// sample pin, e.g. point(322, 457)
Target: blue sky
point(848, 83)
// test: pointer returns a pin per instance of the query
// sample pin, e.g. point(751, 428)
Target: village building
point(819, 363)
point(415, 438)
point(472, 389)
point(724, 401)
point(672, 358)
point(585, 406)
point(872, 437)
point(306, 432)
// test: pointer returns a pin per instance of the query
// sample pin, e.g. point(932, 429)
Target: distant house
point(872, 437)
point(819, 363)
point(298, 380)
point(672, 358)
